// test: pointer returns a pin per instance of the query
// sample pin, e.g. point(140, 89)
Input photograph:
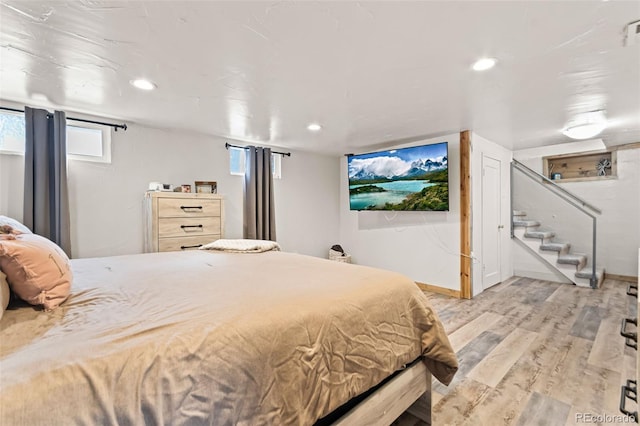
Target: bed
point(204, 337)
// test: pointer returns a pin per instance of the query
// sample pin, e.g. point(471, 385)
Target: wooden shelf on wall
point(580, 167)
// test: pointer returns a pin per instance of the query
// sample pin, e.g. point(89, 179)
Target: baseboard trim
point(626, 278)
point(439, 290)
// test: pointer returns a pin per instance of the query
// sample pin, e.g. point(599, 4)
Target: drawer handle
point(188, 247)
point(630, 291)
point(629, 391)
point(631, 338)
point(190, 207)
point(190, 226)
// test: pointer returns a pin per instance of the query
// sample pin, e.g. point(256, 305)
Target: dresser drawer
point(188, 207)
point(192, 226)
point(174, 220)
point(185, 243)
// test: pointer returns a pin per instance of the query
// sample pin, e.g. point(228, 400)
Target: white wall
point(422, 245)
point(480, 147)
point(307, 203)
point(106, 199)
point(618, 225)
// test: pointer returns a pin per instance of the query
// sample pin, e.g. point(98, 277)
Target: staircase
point(574, 266)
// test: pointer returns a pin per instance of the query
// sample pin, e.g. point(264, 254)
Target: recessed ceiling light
point(586, 125)
point(314, 127)
point(484, 64)
point(144, 84)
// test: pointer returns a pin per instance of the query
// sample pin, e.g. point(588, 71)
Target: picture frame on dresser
point(206, 187)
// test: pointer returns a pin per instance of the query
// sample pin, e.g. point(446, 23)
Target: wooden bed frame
point(409, 390)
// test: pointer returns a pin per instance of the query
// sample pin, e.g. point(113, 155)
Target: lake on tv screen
point(395, 192)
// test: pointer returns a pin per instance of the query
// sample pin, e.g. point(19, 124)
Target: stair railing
point(569, 197)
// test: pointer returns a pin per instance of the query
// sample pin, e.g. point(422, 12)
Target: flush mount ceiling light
point(585, 126)
point(484, 64)
point(142, 83)
point(314, 127)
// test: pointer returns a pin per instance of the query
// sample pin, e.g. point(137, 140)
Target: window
point(88, 142)
point(237, 162)
point(276, 166)
point(11, 133)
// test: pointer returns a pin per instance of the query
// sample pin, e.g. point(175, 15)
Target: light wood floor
point(534, 353)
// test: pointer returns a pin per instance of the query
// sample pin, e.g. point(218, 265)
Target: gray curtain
point(46, 197)
point(259, 211)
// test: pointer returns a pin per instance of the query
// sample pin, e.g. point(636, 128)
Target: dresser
point(182, 221)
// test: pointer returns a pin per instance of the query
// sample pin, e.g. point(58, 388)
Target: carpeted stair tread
point(585, 272)
point(559, 247)
point(526, 223)
point(540, 234)
point(572, 259)
point(530, 229)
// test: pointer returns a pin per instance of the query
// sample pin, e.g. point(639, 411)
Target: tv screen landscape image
point(409, 179)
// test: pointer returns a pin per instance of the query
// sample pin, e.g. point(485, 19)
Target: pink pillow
point(37, 270)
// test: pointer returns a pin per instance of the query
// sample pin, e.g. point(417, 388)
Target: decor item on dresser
point(182, 221)
point(206, 187)
point(158, 186)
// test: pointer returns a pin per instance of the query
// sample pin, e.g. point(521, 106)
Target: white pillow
point(5, 220)
point(242, 246)
point(4, 293)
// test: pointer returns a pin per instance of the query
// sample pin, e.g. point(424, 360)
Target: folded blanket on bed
point(242, 246)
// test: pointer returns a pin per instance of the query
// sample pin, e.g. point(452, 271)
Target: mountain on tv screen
point(409, 179)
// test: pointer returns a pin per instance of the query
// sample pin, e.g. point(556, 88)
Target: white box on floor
point(339, 257)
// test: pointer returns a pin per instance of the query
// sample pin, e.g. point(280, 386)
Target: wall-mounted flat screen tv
point(409, 179)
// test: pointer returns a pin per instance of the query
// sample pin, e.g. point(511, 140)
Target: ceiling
point(373, 74)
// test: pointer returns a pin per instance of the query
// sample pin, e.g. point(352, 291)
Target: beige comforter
point(213, 338)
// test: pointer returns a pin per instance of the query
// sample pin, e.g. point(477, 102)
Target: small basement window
point(11, 133)
point(237, 162)
point(89, 142)
point(86, 142)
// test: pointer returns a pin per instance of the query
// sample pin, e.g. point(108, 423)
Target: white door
point(491, 223)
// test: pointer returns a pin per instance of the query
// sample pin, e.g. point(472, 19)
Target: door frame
point(479, 147)
point(498, 233)
point(465, 215)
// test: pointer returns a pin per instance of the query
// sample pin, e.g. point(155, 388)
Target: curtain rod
point(115, 126)
point(227, 145)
